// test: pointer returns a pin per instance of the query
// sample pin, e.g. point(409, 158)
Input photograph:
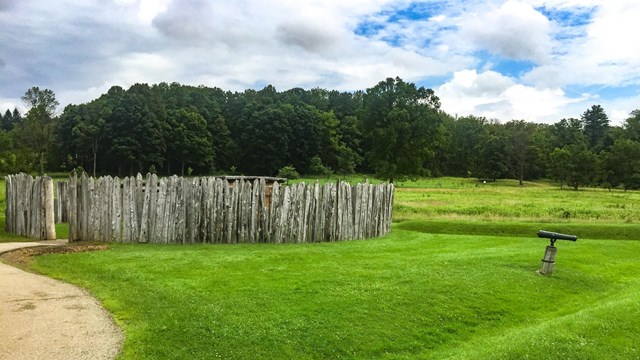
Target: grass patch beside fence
point(408, 295)
point(8, 237)
point(461, 199)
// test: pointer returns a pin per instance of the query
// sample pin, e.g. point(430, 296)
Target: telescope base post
point(549, 260)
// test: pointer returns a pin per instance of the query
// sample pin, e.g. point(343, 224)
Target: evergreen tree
point(6, 121)
point(595, 123)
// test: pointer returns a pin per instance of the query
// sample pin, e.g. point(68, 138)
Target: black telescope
point(553, 236)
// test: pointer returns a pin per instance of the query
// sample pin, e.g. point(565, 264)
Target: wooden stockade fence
point(213, 210)
point(29, 206)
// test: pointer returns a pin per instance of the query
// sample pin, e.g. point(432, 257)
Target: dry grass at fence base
point(21, 258)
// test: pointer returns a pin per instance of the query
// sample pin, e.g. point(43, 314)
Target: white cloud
point(606, 55)
point(514, 30)
point(8, 104)
point(495, 96)
point(248, 43)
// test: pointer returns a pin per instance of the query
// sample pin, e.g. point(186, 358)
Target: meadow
point(468, 199)
point(452, 281)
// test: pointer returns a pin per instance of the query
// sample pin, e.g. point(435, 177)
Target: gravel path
point(42, 318)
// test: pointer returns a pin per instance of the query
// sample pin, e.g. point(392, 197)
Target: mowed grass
point(409, 295)
point(456, 279)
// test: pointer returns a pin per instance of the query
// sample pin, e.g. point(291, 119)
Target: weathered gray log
point(29, 207)
point(116, 210)
point(177, 210)
point(73, 206)
point(549, 260)
point(48, 216)
point(159, 228)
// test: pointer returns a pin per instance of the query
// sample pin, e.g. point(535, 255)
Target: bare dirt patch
point(21, 258)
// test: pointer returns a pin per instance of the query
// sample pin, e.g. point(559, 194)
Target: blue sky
point(538, 60)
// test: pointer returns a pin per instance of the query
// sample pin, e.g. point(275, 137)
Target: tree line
point(394, 129)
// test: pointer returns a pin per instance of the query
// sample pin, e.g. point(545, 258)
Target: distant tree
point(595, 124)
point(522, 152)
point(623, 163)
point(582, 168)
point(542, 146)
point(316, 167)
point(305, 125)
point(224, 147)
point(16, 117)
point(631, 126)
point(89, 132)
point(492, 161)
point(318, 98)
point(136, 129)
point(465, 136)
point(559, 166)
point(344, 104)
point(188, 141)
point(35, 132)
point(402, 123)
point(288, 172)
point(6, 122)
point(65, 156)
point(264, 139)
point(566, 132)
point(335, 151)
point(7, 157)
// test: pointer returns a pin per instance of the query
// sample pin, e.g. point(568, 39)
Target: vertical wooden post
point(549, 260)
point(49, 220)
point(72, 195)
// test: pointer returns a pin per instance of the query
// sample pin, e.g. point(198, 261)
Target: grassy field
point(467, 199)
point(467, 206)
point(456, 279)
point(409, 295)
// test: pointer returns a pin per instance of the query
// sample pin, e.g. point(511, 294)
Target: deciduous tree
point(622, 162)
point(35, 131)
point(402, 123)
point(188, 140)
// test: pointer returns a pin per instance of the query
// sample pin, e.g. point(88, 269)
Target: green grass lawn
point(408, 295)
point(456, 279)
point(467, 199)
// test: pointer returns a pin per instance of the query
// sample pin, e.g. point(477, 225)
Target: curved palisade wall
point(213, 210)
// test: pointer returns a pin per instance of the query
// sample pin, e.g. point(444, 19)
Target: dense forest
point(395, 130)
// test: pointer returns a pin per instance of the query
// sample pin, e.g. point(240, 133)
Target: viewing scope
point(553, 236)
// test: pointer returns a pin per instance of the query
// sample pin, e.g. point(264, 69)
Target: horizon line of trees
point(394, 130)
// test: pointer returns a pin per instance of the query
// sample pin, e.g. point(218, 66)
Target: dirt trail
point(43, 318)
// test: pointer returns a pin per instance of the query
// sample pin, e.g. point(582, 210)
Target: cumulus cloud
point(605, 55)
point(514, 30)
point(307, 36)
point(190, 21)
point(79, 48)
point(495, 96)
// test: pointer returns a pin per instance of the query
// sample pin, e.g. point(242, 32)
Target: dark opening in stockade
point(224, 210)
